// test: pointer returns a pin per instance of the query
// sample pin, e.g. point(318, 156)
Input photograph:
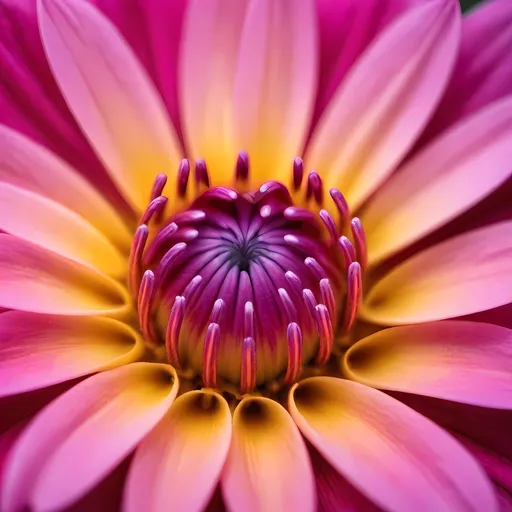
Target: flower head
point(282, 250)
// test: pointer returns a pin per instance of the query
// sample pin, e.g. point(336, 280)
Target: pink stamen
point(341, 206)
point(167, 262)
point(275, 189)
point(248, 370)
point(155, 208)
point(328, 296)
point(360, 241)
point(189, 216)
point(201, 174)
point(315, 268)
point(145, 306)
point(192, 288)
point(354, 293)
point(249, 320)
point(325, 330)
point(158, 186)
point(242, 167)
point(217, 310)
point(298, 173)
point(221, 193)
point(211, 355)
point(135, 263)
point(162, 238)
point(294, 282)
point(348, 252)
point(299, 214)
point(315, 187)
point(329, 224)
point(172, 334)
point(309, 300)
point(291, 311)
point(294, 336)
point(183, 175)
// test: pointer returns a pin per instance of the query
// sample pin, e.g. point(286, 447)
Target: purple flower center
point(247, 288)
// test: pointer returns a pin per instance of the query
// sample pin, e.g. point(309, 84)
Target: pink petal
point(462, 361)
point(33, 279)
point(30, 166)
point(208, 59)
point(385, 102)
point(40, 350)
point(98, 423)
point(483, 73)
point(448, 177)
point(275, 85)
point(165, 474)
point(392, 454)
point(52, 226)
point(268, 466)
point(346, 30)
point(110, 95)
point(465, 274)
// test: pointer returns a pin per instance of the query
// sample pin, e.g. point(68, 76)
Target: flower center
point(246, 288)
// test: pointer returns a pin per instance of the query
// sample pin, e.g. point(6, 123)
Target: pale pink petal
point(483, 72)
point(42, 350)
point(346, 30)
point(52, 226)
point(81, 436)
point(454, 360)
point(110, 95)
point(448, 177)
point(275, 86)
point(208, 59)
point(465, 274)
point(386, 100)
point(30, 166)
point(268, 466)
point(392, 454)
point(34, 279)
point(165, 474)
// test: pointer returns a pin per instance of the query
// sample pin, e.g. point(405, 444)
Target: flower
point(208, 312)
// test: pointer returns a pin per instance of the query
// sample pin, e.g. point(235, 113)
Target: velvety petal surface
point(165, 473)
point(52, 226)
point(98, 423)
point(268, 466)
point(275, 84)
point(454, 360)
point(447, 178)
point(465, 274)
point(386, 100)
point(110, 95)
point(37, 280)
point(396, 457)
point(42, 350)
point(28, 165)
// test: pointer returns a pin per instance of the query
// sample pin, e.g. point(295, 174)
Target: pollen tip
point(248, 369)
point(242, 166)
point(211, 355)
point(298, 172)
point(265, 211)
point(172, 333)
point(294, 337)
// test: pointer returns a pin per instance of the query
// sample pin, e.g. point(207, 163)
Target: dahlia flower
point(255, 255)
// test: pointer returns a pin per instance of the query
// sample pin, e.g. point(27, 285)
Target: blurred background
point(467, 4)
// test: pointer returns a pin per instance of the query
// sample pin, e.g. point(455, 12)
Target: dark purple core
point(247, 288)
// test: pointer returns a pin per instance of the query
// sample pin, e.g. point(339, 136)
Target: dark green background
point(466, 4)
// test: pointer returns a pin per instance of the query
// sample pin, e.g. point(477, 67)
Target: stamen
point(265, 211)
point(172, 334)
point(249, 320)
point(348, 252)
point(328, 296)
point(275, 189)
point(189, 216)
point(294, 282)
point(310, 301)
point(211, 355)
point(291, 311)
point(242, 167)
point(217, 310)
point(183, 175)
point(315, 268)
point(294, 336)
point(354, 292)
point(221, 193)
point(315, 188)
point(299, 214)
point(325, 330)
point(201, 174)
point(164, 236)
point(166, 264)
point(248, 370)
point(155, 207)
point(145, 306)
point(158, 186)
point(360, 241)
point(298, 173)
point(135, 263)
point(192, 288)
point(329, 224)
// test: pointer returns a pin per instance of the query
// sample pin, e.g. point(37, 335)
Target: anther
point(248, 370)
point(360, 241)
point(341, 206)
point(158, 186)
point(217, 310)
point(172, 334)
point(325, 330)
point(294, 281)
point(299, 214)
point(211, 355)
point(315, 188)
point(354, 292)
point(183, 175)
point(328, 296)
point(221, 193)
point(192, 288)
point(309, 300)
point(164, 236)
point(155, 207)
point(276, 189)
point(298, 173)
point(201, 174)
point(294, 337)
point(189, 216)
point(329, 224)
point(348, 252)
point(291, 311)
point(167, 262)
point(135, 263)
point(242, 167)
point(315, 268)
point(249, 320)
point(145, 306)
